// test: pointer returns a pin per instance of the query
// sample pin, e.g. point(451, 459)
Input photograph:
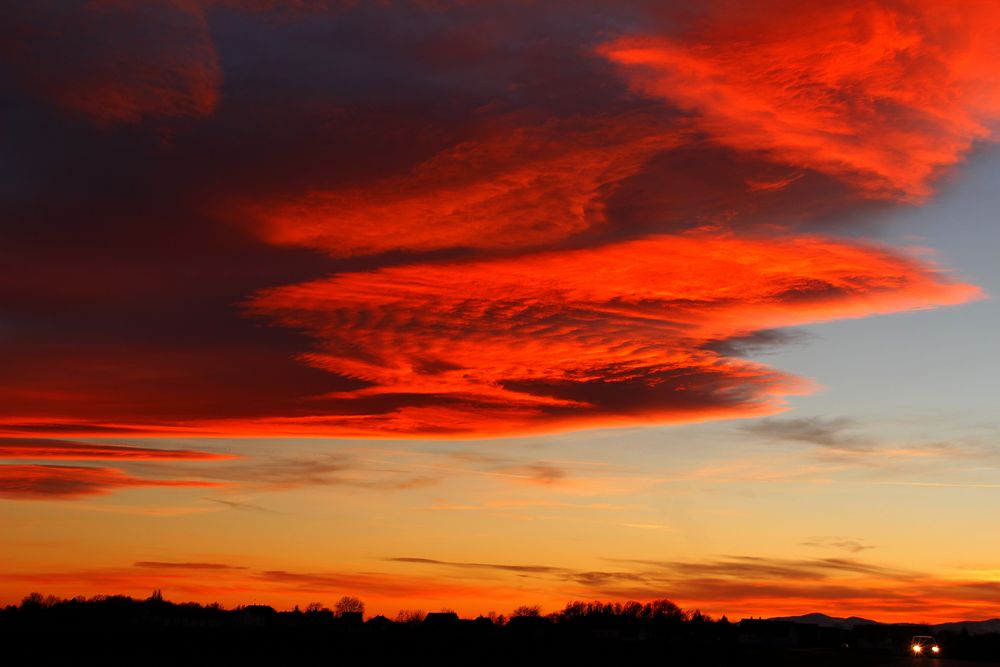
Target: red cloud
point(516, 186)
point(884, 95)
point(67, 450)
point(115, 61)
point(34, 482)
point(440, 145)
point(619, 334)
point(147, 387)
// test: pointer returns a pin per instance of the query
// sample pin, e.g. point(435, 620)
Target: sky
point(469, 305)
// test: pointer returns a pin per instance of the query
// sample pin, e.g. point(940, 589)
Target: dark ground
point(117, 630)
point(254, 646)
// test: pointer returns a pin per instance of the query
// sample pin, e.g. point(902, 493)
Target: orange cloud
point(34, 482)
point(169, 565)
point(619, 334)
point(516, 186)
point(114, 61)
point(736, 586)
point(882, 94)
point(66, 450)
point(746, 585)
point(383, 592)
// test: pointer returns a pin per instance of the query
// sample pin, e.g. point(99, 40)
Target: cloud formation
point(834, 433)
point(731, 585)
point(517, 186)
point(751, 584)
point(168, 565)
point(235, 217)
point(882, 94)
point(619, 334)
point(130, 62)
point(851, 544)
point(284, 473)
point(56, 482)
point(69, 450)
point(62, 482)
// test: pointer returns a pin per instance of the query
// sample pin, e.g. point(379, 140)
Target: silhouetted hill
point(825, 621)
point(972, 627)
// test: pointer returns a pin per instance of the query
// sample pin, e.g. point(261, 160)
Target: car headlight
point(917, 648)
point(936, 649)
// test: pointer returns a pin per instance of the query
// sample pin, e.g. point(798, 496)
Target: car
point(925, 645)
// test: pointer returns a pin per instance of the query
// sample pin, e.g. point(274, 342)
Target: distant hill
point(828, 621)
point(974, 627)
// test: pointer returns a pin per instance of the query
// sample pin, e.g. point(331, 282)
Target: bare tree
point(33, 601)
point(348, 604)
point(410, 616)
point(313, 607)
point(528, 610)
point(39, 601)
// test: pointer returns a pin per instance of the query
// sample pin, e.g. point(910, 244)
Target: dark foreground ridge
point(118, 630)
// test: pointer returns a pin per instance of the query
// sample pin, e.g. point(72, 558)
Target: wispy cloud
point(851, 544)
point(167, 565)
point(584, 577)
point(756, 568)
point(53, 482)
point(238, 505)
point(729, 584)
point(834, 433)
point(279, 473)
point(67, 450)
point(749, 584)
point(847, 440)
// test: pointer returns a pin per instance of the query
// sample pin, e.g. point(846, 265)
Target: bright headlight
point(917, 648)
point(936, 649)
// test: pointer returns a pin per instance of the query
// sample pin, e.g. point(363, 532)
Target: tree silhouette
point(348, 604)
point(411, 616)
point(496, 619)
point(534, 610)
point(655, 611)
point(38, 601)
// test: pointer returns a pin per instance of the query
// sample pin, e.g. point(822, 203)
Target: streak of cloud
point(238, 505)
point(750, 584)
point(850, 544)
point(286, 473)
point(168, 565)
point(732, 585)
point(44, 482)
point(66, 450)
point(831, 433)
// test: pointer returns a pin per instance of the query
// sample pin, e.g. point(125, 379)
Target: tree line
point(577, 612)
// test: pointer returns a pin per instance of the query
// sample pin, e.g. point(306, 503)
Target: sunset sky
point(469, 305)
